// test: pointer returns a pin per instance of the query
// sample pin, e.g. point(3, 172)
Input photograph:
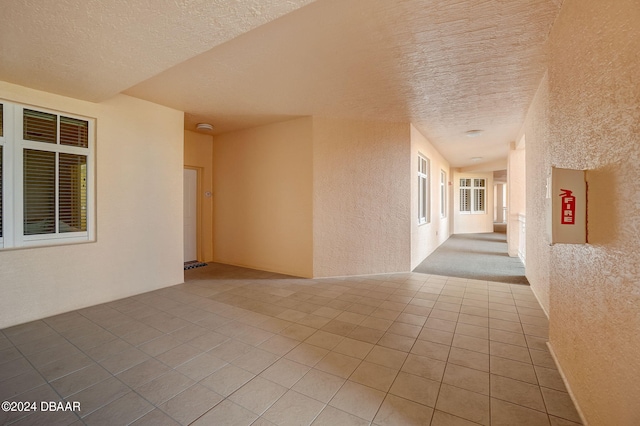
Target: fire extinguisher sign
point(568, 203)
point(568, 207)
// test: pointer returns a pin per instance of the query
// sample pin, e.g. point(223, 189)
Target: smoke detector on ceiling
point(473, 133)
point(204, 126)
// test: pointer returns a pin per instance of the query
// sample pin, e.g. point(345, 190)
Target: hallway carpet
point(475, 256)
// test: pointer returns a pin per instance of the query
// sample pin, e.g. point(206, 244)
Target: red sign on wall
point(568, 193)
point(568, 207)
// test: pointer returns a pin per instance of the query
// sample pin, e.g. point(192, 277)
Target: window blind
point(465, 199)
point(479, 195)
point(479, 199)
point(39, 192)
point(74, 132)
point(40, 126)
point(72, 193)
point(47, 170)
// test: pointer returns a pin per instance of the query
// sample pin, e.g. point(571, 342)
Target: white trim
point(424, 189)
point(443, 194)
point(14, 146)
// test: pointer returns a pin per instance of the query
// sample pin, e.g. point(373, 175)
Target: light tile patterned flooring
point(237, 346)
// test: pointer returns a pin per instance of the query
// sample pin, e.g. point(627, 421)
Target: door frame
point(199, 173)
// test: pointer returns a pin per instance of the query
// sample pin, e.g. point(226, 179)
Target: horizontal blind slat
point(74, 132)
point(39, 192)
point(40, 126)
point(479, 200)
point(72, 193)
point(464, 200)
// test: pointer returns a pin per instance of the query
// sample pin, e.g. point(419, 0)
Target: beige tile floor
point(240, 347)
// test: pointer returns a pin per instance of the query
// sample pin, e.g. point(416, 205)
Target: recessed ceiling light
point(204, 126)
point(476, 159)
point(473, 133)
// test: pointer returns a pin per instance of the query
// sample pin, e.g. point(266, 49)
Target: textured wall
point(198, 152)
point(427, 237)
point(361, 211)
point(262, 180)
point(139, 214)
point(538, 169)
point(590, 103)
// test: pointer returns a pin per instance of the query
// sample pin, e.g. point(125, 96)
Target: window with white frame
point(423, 189)
point(46, 177)
point(443, 194)
point(472, 196)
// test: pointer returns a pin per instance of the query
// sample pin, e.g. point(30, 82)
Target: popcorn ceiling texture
point(444, 66)
point(93, 50)
point(586, 116)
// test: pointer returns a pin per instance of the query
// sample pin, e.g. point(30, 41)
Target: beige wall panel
point(262, 189)
point(139, 214)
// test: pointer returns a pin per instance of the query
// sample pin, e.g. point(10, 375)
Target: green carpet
point(475, 256)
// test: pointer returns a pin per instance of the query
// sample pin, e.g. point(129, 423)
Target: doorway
point(190, 192)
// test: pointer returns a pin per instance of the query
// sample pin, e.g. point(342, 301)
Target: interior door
point(190, 215)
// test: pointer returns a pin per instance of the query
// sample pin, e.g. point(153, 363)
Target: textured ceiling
point(94, 49)
point(447, 67)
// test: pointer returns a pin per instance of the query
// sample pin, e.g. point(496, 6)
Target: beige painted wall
point(262, 188)
point(516, 197)
point(361, 196)
point(198, 153)
point(585, 116)
point(472, 223)
point(139, 214)
point(538, 168)
point(427, 237)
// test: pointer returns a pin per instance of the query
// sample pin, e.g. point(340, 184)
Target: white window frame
point(424, 193)
point(473, 187)
point(7, 173)
point(443, 194)
point(13, 180)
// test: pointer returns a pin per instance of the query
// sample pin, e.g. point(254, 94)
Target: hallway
point(475, 256)
point(239, 346)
